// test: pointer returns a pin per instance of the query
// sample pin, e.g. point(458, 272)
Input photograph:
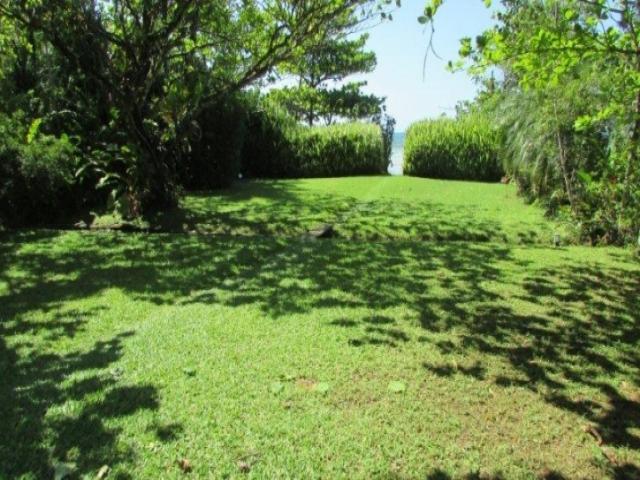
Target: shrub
point(36, 173)
point(340, 150)
point(259, 139)
point(216, 147)
point(461, 149)
point(268, 150)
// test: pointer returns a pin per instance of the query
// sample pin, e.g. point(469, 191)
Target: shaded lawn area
point(272, 357)
point(371, 208)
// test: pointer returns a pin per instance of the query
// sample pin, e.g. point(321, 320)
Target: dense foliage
point(214, 158)
point(249, 136)
point(136, 83)
point(340, 150)
point(567, 99)
point(278, 147)
point(463, 149)
point(319, 94)
point(268, 151)
point(36, 170)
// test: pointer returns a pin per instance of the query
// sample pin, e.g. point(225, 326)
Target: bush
point(259, 139)
point(268, 150)
point(340, 150)
point(216, 147)
point(36, 174)
point(276, 146)
point(461, 149)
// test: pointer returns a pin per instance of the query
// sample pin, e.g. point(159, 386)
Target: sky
point(400, 46)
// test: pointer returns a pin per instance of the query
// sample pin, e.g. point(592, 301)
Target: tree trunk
point(568, 183)
point(153, 182)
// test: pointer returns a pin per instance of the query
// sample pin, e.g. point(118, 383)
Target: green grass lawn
point(378, 354)
point(368, 208)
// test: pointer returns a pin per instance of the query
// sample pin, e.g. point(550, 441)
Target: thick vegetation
point(253, 138)
point(340, 150)
point(568, 104)
point(36, 171)
point(460, 149)
point(133, 88)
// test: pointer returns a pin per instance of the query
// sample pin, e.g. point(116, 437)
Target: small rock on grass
point(322, 231)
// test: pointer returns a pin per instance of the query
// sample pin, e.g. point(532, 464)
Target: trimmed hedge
point(339, 150)
point(278, 147)
point(461, 149)
point(258, 139)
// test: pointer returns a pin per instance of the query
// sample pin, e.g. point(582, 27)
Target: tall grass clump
point(340, 150)
point(459, 149)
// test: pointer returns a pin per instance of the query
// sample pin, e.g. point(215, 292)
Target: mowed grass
point(265, 356)
point(369, 208)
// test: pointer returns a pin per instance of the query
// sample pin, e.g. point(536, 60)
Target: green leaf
point(585, 177)
point(396, 387)
point(322, 387)
point(34, 128)
point(276, 387)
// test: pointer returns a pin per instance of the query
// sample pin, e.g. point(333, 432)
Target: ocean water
point(397, 149)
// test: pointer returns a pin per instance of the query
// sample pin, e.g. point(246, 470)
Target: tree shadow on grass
point(287, 210)
point(55, 406)
point(576, 344)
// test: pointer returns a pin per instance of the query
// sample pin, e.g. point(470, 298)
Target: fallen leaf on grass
point(396, 387)
point(276, 387)
point(590, 429)
point(185, 465)
point(306, 383)
point(246, 462)
point(322, 387)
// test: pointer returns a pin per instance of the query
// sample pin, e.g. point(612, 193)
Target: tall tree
point(319, 71)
